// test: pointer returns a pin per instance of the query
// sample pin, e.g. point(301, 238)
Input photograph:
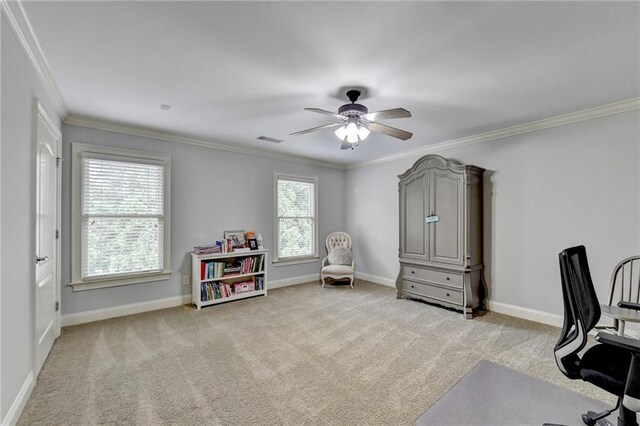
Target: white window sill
point(297, 261)
point(115, 282)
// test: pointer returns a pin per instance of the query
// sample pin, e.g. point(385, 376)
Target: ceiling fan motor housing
point(353, 109)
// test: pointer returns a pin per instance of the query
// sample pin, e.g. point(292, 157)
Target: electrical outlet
point(356, 262)
point(185, 280)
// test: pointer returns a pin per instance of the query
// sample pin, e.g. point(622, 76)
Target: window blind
point(122, 218)
point(296, 218)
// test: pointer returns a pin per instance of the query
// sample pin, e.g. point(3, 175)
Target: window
point(120, 221)
point(296, 211)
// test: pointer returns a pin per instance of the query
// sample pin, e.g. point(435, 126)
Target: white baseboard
point(122, 310)
point(20, 402)
point(293, 281)
point(375, 279)
point(543, 317)
point(153, 305)
point(524, 313)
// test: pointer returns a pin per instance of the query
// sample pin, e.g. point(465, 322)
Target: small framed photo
point(237, 237)
point(253, 243)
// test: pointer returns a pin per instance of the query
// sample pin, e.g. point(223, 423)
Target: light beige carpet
point(302, 355)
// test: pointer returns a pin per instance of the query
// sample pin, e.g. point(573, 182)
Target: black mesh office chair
point(614, 363)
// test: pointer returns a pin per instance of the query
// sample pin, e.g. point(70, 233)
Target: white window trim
point(78, 284)
point(299, 259)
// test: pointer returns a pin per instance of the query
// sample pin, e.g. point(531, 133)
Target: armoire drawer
point(446, 278)
point(451, 296)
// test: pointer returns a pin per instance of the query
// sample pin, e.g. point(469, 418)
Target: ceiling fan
point(355, 122)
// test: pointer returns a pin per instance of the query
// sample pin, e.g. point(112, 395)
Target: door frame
point(39, 111)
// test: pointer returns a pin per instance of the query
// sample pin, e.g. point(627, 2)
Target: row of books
point(209, 270)
point(212, 291)
point(252, 264)
point(259, 280)
point(219, 269)
point(220, 290)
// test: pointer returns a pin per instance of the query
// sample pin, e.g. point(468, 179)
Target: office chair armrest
point(623, 342)
point(629, 305)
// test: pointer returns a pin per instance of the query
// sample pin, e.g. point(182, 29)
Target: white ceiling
point(233, 71)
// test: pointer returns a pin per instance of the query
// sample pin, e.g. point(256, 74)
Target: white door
point(46, 292)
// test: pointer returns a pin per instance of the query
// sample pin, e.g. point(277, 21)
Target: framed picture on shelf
point(237, 237)
point(253, 243)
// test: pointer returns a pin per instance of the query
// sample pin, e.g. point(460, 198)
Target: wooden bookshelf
point(212, 283)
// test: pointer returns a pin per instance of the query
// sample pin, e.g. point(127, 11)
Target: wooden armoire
point(441, 234)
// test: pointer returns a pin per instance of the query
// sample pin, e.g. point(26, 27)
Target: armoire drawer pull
point(412, 286)
point(448, 278)
point(448, 295)
point(413, 272)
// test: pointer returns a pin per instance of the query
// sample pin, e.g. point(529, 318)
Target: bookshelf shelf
point(228, 277)
point(235, 297)
point(211, 283)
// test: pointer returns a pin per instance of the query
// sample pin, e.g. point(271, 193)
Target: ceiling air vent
point(268, 139)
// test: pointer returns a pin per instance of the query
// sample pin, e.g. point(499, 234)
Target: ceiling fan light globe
point(352, 130)
point(352, 137)
point(363, 132)
point(341, 133)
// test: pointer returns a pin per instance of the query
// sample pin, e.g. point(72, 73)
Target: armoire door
point(413, 204)
point(446, 198)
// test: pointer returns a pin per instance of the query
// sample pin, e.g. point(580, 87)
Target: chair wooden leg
point(351, 281)
point(322, 277)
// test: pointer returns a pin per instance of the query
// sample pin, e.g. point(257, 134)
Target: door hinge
point(57, 234)
point(58, 161)
point(57, 306)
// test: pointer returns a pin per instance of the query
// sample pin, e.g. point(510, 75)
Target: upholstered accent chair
point(334, 270)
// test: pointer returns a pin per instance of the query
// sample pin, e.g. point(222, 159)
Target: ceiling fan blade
point(313, 129)
point(388, 114)
point(388, 130)
point(325, 112)
point(346, 145)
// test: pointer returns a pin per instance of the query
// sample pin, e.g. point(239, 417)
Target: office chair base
point(626, 417)
point(591, 418)
point(587, 420)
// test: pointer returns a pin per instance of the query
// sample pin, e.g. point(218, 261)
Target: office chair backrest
point(581, 309)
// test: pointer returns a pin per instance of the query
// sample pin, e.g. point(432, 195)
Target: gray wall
point(211, 191)
point(544, 191)
point(20, 86)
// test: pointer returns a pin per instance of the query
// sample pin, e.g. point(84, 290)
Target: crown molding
point(534, 126)
point(17, 17)
point(95, 123)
